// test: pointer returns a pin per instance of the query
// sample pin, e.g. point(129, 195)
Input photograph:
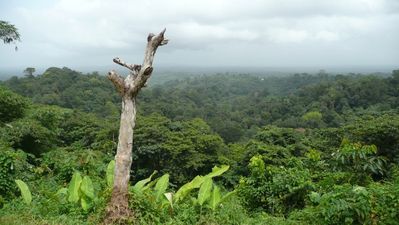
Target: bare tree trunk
point(123, 158)
point(118, 208)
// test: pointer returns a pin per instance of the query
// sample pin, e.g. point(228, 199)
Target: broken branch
point(118, 81)
point(132, 67)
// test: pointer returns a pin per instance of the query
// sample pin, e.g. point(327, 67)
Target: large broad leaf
point(110, 173)
point(186, 188)
point(197, 182)
point(169, 197)
point(227, 196)
point(87, 187)
point(214, 201)
point(161, 186)
point(139, 187)
point(205, 190)
point(25, 192)
point(85, 202)
point(74, 187)
point(217, 171)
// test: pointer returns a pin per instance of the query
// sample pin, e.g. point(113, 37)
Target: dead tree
point(128, 89)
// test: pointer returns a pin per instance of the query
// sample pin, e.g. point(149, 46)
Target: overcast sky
point(246, 33)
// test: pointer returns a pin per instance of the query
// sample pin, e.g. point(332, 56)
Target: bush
point(277, 190)
point(347, 204)
point(12, 106)
point(62, 162)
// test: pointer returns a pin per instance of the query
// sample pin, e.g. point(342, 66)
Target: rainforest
point(230, 148)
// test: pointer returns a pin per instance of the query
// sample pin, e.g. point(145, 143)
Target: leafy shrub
point(6, 172)
point(360, 161)
point(12, 106)
point(181, 149)
point(13, 164)
point(348, 204)
point(382, 131)
point(83, 130)
point(80, 190)
point(278, 190)
point(153, 204)
point(385, 202)
point(28, 135)
point(62, 162)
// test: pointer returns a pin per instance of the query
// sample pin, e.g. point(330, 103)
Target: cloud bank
point(206, 33)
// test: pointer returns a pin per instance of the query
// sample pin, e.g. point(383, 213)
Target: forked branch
point(140, 73)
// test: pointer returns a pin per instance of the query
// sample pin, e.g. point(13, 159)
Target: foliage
point(313, 118)
point(80, 190)
point(353, 205)
point(235, 106)
point(182, 149)
point(74, 187)
point(381, 131)
point(160, 203)
point(25, 192)
point(278, 190)
point(30, 136)
point(62, 162)
point(12, 106)
point(6, 171)
point(8, 32)
point(110, 173)
point(360, 160)
point(13, 164)
point(302, 149)
point(29, 71)
point(70, 89)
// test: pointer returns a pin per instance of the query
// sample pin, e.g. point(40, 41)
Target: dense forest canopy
point(235, 106)
point(302, 149)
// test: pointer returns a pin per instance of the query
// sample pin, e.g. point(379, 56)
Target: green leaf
point(215, 198)
point(74, 186)
point(139, 187)
point(87, 187)
point(62, 191)
point(197, 182)
point(110, 173)
point(25, 192)
point(227, 196)
point(85, 202)
point(169, 197)
point(186, 188)
point(161, 186)
point(205, 190)
point(217, 171)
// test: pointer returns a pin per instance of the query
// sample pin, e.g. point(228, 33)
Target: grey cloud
point(225, 32)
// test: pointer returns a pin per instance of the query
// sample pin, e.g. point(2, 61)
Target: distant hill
point(234, 105)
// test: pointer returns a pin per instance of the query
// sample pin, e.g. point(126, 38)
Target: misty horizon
point(357, 34)
point(209, 70)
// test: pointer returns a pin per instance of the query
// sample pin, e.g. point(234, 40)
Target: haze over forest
point(305, 36)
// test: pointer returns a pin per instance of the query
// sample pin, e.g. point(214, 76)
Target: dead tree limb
point(117, 209)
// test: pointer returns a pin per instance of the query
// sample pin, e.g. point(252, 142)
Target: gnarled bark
point(117, 209)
